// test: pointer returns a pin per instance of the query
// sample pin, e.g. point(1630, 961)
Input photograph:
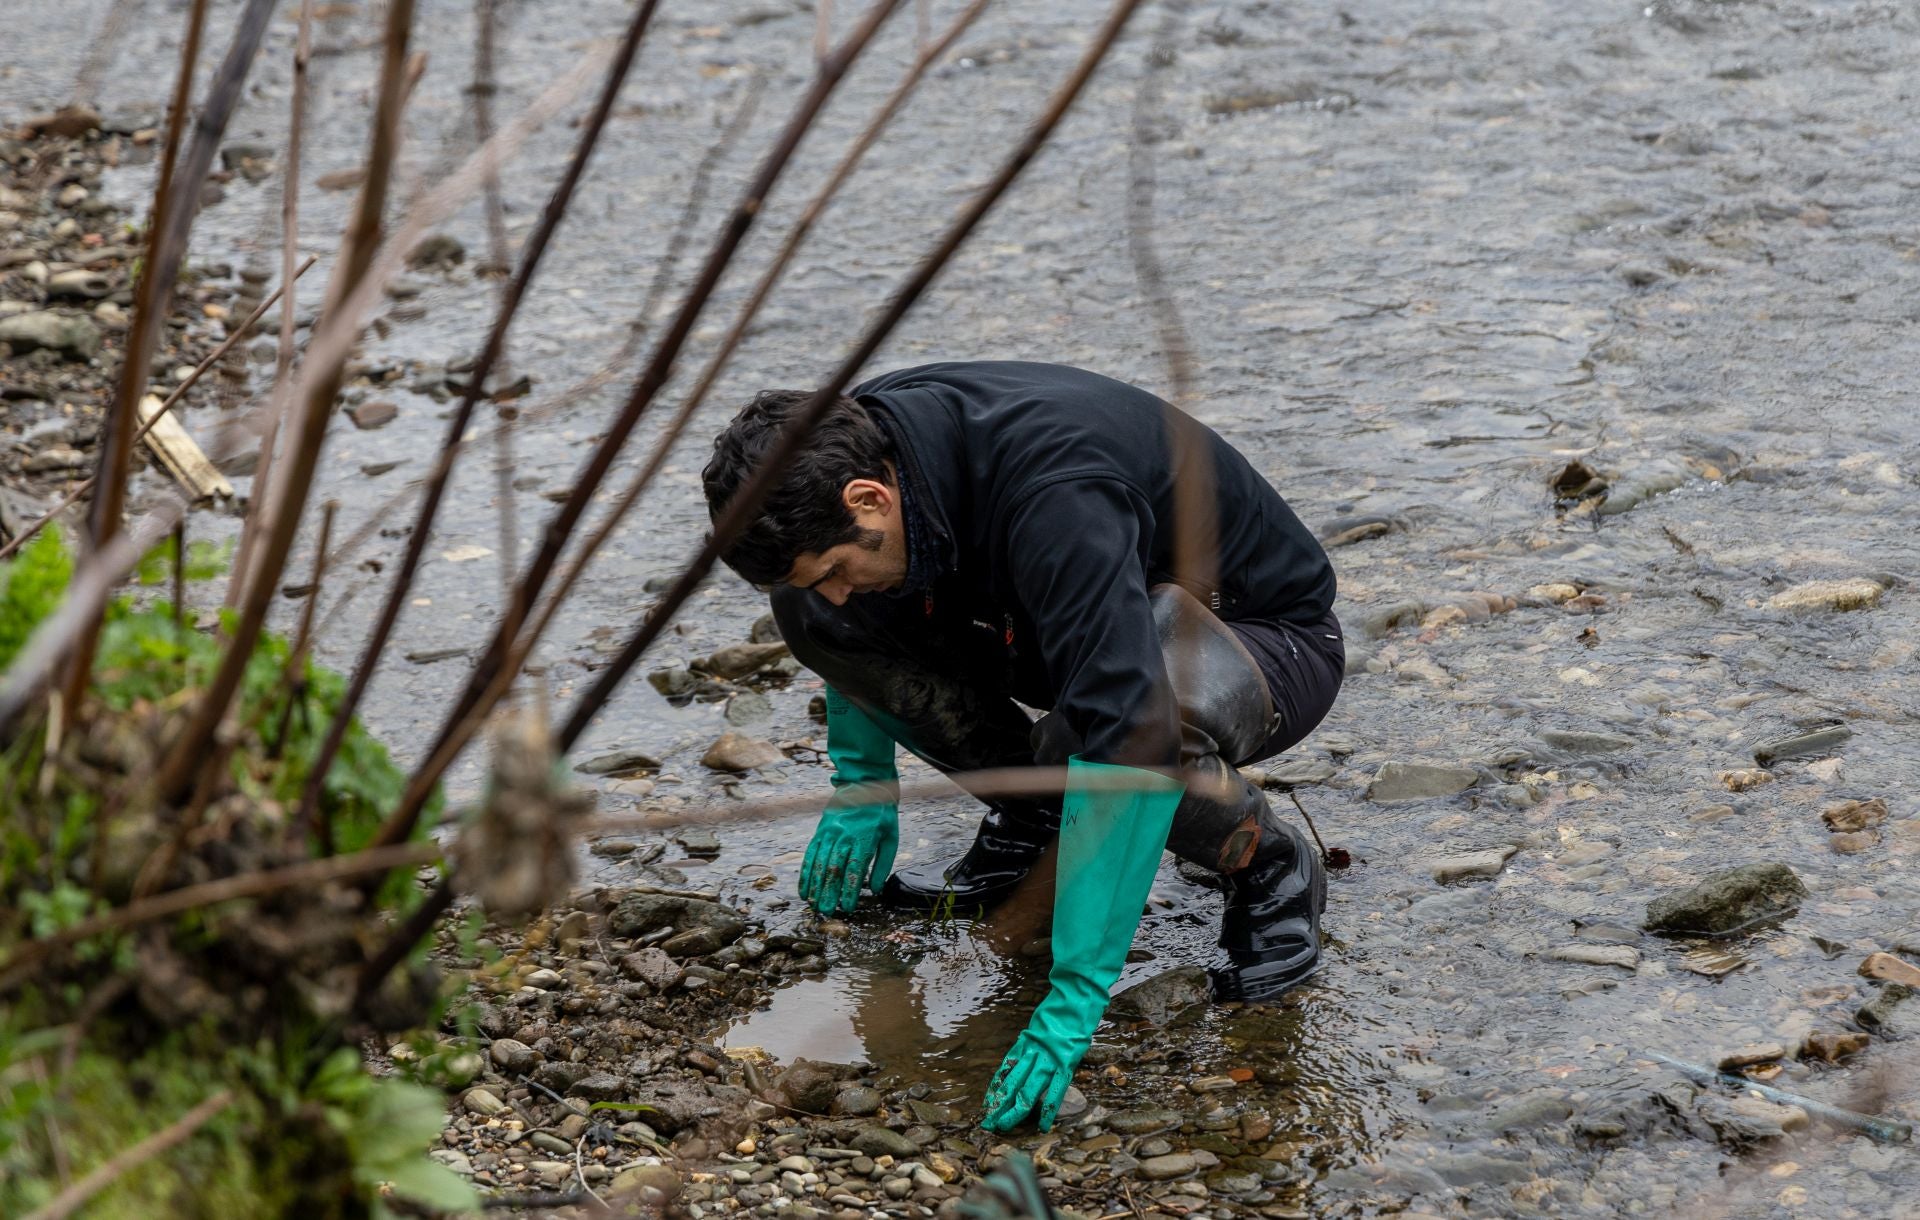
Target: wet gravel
point(1431, 257)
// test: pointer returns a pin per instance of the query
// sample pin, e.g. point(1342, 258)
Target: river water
point(1428, 254)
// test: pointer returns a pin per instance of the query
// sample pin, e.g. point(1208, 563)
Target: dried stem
point(485, 685)
point(74, 1197)
point(303, 454)
point(179, 393)
point(802, 226)
point(736, 516)
point(1195, 504)
point(411, 931)
point(995, 782)
point(318, 871)
point(496, 339)
point(289, 239)
point(294, 678)
point(155, 287)
point(485, 13)
point(327, 350)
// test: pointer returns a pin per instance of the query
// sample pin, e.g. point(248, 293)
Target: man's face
point(872, 563)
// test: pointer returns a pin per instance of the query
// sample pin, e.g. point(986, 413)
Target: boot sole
point(1261, 982)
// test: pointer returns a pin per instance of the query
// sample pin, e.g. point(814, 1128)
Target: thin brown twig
point(747, 502)
point(285, 502)
point(492, 675)
point(283, 356)
point(317, 871)
point(669, 263)
point(294, 678)
point(496, 339)
point(110, 1171)
point(983, 785)
point(179, 393)
point(1195, 505)
point(94, 578)
point(802, 227)
point(111, 471)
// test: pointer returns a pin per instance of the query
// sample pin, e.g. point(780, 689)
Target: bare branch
point(496, 339)
point(802, 226)
point(483, 685)
point(318, 871)
point(747, 502)
point(179, 392)
point(74, 1197)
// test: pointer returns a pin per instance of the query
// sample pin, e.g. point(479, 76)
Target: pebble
point(74, 337)
point(1396, 781)
point(1850, 816)
point(483, 1103)
point(546, 980)
point(1858, 593)
point(1489, 863)
point(513, 1056)
point(1825, 741)
point(1624, 956)
point(624, 761)
point(376, 414)
point(1746, 1056)
point(739, 752)
point(1830, 1047)
point(1172, 1165)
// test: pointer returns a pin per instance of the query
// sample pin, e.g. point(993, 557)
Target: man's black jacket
point(1049, 493)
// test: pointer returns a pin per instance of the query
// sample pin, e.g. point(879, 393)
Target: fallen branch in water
point(1885, 1130)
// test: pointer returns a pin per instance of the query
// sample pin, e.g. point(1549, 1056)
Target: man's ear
point(867, 495)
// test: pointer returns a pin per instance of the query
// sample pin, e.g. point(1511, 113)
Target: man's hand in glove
point(1113, 828)
point(853, 846)
point(860, 828)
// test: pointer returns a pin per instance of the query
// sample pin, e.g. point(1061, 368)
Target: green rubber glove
point(860, 827)
point(1110, 844)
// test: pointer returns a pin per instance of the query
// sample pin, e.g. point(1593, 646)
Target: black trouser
point(1246, 691)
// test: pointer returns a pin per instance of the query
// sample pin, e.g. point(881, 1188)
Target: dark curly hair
point(805, 514)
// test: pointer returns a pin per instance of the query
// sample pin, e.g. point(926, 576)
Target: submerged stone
point(1397, 781)
point(1801, 745)
point(1172, 997)
point(1728, 901)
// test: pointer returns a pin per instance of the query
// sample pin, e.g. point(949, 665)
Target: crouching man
point(961, 539)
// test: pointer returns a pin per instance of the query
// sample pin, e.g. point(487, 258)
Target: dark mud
point(1429, 255)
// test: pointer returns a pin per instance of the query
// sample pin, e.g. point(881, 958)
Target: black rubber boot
point(1006, 848)
point(1270, 932)
point(1276, 886)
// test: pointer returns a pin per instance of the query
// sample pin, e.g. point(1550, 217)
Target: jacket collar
point(926, 445)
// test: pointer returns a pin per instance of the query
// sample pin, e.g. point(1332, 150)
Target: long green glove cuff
point(1113, 827)
point(860, 828)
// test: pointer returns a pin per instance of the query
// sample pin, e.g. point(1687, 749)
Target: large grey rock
point(1398, 781)
point(72, 337)
point(1728, 901)
point(1172, 997)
